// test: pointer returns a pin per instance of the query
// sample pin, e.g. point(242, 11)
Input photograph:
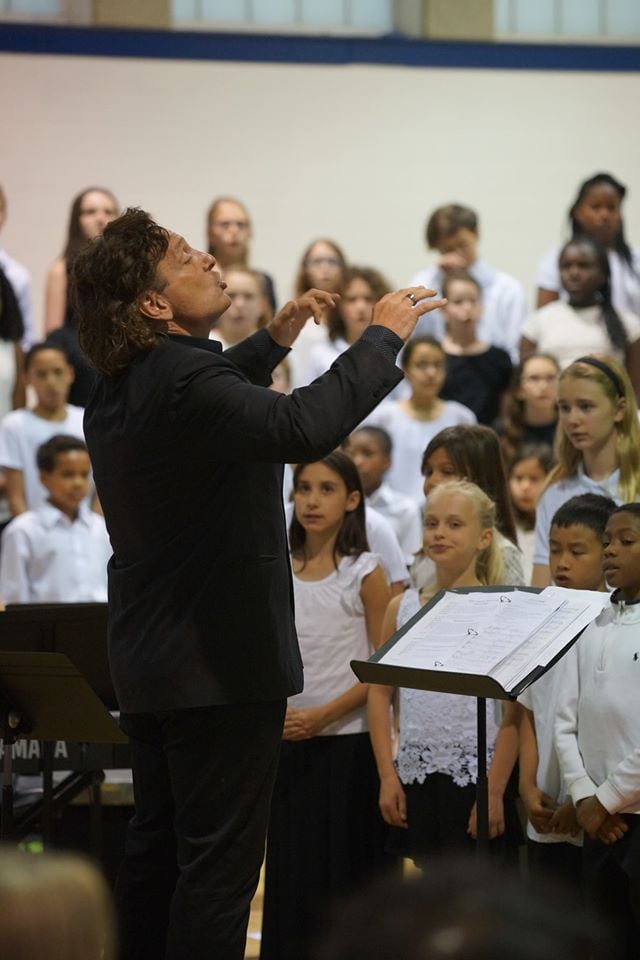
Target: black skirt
point(326, 838)
point(438, 811)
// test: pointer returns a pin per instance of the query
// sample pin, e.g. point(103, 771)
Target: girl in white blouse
point(326, 835)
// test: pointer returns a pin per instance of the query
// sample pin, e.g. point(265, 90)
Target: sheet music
point(504, 636)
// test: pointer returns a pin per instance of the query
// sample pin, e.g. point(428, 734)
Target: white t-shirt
point(557, 494)
point(48, 558)
point(332, 631)
point(526, 542)
point(322, 355)
point(625, 283)
point(21, 433)
point(311, 335)
point(504, 306)
point(541, 698)
point(404, 516)
point(567, 333)
point(410, 438)
point(382, 541)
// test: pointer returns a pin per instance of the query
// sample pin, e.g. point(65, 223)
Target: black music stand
point(54, 685)
point(471, 685)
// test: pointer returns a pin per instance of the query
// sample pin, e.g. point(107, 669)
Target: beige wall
point(357, 153)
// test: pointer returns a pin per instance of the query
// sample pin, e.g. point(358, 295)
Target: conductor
point(187, 448)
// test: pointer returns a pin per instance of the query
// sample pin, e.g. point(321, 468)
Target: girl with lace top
point(428, 792)
point(471, 453)
point(597, 447)
point(326, 835)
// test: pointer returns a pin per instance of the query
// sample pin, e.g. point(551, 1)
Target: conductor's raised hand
point(288, 322)
point(401, 310)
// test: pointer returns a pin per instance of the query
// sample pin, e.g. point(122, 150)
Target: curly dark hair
point(108, 275)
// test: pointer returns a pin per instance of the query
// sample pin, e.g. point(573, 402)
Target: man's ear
point(154, 306)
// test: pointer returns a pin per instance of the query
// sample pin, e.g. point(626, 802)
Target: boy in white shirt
point(575, 560)
point(370, 449)
point(49, 373)
point(597, 735)
point(57, 553)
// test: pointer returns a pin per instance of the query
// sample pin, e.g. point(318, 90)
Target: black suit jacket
point(187, 453)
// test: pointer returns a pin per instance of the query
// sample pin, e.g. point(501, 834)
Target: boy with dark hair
point(575, 542)
point(370, 449)
point(57, 553)
point(575, 558)
point(453, 231)
point(48, 372)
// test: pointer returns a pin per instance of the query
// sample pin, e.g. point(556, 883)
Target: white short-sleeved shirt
point(322, 355)
point(332, 631)
point(567, 333)
point(410, 438)
point(561, 491)
point(625, 283)
point(541, 698)
point(21, 433)
point(382, 541)
point(311, 336)
point(504, 306)
point(403, 514)
point(18, 277)
point(48, 558)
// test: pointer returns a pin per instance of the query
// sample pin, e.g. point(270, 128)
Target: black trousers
point(203, 780)
point(612, 880)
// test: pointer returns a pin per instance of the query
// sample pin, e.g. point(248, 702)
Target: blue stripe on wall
point(391, 50)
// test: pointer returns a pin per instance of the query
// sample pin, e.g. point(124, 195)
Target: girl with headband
point(597, 445)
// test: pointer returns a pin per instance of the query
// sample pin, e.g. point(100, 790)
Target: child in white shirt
point(49, 373)
point(370, 448)
point(597, 734)
point(57, 553)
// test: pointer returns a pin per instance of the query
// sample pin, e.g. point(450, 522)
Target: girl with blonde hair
point(427, 793)
point(597, 445)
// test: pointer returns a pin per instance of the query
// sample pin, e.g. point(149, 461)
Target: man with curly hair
point(187, 448)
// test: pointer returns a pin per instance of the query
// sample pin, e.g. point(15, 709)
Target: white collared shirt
point(48, 558)
point(403, 514)
point(18, 277)
point(561, 491)
point(504, 307)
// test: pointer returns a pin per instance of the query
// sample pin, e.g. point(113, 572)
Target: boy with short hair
point(49, 373)
point(575, 558)
point(370, 449)
point(453, 231)
point(57, 553)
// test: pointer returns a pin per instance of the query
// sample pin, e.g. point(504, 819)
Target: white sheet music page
point(502, 635)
